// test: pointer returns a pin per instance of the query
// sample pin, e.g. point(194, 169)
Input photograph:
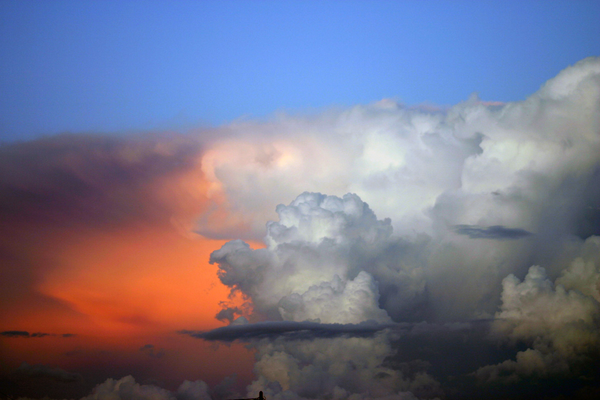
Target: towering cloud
point(492, 215)
point(320, 265)
point(408, 252)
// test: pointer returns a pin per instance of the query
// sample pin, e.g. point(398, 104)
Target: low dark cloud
point(25, 334)
point(290, 330)
point(15, 334)
point(26, 371)
point(495, 232)
point(151, 351)
point(228, 314)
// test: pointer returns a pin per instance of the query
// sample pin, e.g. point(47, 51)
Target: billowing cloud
point(318, 277)
point(128, 389)
point(482, 208)
point(558, 320)
point(480, 221)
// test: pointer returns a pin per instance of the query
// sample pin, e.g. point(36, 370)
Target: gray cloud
point(496, 232)
point(43, 371)
point(25, 334)
point(370, 214)
point(151, 351)
point(67, 178)
point(15, 333)
point(436, 181)
point(127, 388)
point(290, 330)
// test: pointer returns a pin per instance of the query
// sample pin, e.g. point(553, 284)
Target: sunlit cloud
point(356, 252)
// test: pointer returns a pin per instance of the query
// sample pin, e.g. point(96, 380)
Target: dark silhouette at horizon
point(260, 397)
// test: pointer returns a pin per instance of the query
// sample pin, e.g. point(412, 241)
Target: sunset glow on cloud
point(308, 234)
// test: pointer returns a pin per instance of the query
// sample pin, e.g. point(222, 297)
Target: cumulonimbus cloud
point(478, 212)
point(523, 176)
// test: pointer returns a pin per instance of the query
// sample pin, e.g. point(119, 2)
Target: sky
point(108, 66)
point(317, 200)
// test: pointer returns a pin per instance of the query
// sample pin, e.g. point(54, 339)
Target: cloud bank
point(490, 213)
point(483, 219)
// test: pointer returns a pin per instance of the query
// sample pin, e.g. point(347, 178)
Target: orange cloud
point(97, 240)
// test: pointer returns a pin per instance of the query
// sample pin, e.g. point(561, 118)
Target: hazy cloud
point(43, 371)
point(370, 215)
point(497, 232)
point(151, 351)
point(436, 180)
point(128, 389)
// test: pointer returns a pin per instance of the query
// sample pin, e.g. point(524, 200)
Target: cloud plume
point(487, 213)
point(378, 251)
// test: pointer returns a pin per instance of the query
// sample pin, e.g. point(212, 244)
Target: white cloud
point(473, 194)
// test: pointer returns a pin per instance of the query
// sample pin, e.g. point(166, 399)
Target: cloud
point(127, 388)
point(228, 314)
point(318, 263)
point(15, 333)
point(370, 214)
point(316, 277)
point(25, 334)
point(306, 330)
point(436, 180)
point(496, 232)
point(26, 371)
point(289, 330)
point(91, 179)
point(558, 320)
point(149, 350)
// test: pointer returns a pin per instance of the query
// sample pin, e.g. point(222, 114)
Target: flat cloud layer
point(288, 329)
point(478, 227)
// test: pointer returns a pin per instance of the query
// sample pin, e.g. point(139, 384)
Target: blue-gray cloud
point(495, 232)
point(290, 330)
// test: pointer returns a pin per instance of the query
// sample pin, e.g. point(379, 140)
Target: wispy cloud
point(25, 334)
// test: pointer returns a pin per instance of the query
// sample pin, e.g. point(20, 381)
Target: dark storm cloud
point(228, 314)
point(495, 232)
point(151, 351)
point(85, 178)
point(15, 334)
point(25, 334)
point(290, 330)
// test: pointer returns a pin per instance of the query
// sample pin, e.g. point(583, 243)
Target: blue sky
point(108, 66)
